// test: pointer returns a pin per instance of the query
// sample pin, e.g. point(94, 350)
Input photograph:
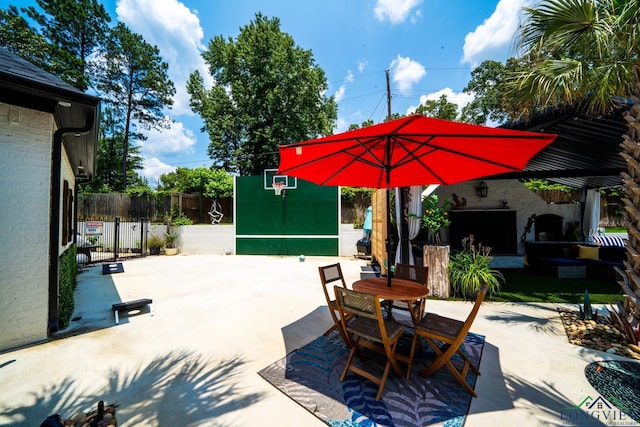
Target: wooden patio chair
point(451, 333)
point(371, 331)
point(415, 273)
point(328, 275)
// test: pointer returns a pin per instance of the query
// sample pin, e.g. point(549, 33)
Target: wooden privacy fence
point(611, 207)
point(105, 206)
point(197, 208)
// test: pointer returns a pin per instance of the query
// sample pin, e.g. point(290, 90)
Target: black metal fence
point(108, 241)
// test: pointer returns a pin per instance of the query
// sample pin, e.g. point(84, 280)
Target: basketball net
point(277, 187)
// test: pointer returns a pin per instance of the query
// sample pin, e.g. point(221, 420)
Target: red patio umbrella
point(414, 150)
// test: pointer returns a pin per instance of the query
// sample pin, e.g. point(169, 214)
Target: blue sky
point(429, 46)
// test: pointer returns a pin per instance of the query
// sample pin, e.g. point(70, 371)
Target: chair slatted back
point(329, 274)
point(358, 303)
point(415, 273)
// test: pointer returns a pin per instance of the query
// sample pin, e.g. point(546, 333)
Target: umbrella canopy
point(414, 150)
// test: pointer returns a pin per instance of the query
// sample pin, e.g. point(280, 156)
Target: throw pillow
point(588, 252)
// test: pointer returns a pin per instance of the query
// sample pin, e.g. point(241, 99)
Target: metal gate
point(109, 241)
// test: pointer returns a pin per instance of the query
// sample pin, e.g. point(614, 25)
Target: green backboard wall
point(303, 222)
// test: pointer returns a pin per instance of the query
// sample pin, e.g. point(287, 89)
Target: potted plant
point(469, 269)
point(93, 242)
point(434, 217)
point(138, 248)
point(170, 243)
point(435, 254)
point(154, 242)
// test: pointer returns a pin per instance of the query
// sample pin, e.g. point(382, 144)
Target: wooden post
point(436, 257)
point(379, 232)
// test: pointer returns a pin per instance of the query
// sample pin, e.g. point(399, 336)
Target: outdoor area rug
point(311, 377)
point(618, 381)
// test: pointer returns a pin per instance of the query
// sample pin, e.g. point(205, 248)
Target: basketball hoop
point(278, 187)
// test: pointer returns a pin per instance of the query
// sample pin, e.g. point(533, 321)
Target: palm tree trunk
point(631, 179)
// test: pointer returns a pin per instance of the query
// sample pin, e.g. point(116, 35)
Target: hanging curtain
point(368, 223)
point(414, 208)
point(591, 216)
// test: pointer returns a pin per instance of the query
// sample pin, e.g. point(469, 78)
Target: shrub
point(469, 270)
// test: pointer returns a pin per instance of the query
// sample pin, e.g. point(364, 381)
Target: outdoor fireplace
point(495, 228)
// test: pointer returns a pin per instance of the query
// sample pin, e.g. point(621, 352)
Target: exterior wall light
point(482, 189)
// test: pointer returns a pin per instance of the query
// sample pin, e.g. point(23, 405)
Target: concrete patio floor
point(217, 320)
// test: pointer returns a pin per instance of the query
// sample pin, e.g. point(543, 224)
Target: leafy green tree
point(134, 82)
point(441, 109)
point(74, 29)
point(210, 182)
point(268, 91)
point(110, 152)
point(17, 36)
point(221, 184)
point(366, 123)
point(488, 85)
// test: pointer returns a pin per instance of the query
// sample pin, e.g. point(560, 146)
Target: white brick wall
point(518, 197)
point(25, 156)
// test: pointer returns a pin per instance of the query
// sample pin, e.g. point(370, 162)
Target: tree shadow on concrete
point(498, 392)
point(180, 388)
point(556, 407)
point(548, 325)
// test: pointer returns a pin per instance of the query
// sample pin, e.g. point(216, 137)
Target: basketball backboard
point(271, 176)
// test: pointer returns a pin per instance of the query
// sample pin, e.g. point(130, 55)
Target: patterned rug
point(311, 377)
point(618, 381)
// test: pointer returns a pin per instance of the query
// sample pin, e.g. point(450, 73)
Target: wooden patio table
point(400, 290)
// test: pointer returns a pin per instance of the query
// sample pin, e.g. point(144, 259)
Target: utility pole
point(404, 245)
point(388, 97)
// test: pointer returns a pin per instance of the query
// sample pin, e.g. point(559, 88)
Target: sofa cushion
point(605, 240)
point(588, 252)
point(612, 253)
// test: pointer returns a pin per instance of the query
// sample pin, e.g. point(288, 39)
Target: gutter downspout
point(54, 222)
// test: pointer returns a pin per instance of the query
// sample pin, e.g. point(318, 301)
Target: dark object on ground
point(53, 421)
point(130, 305)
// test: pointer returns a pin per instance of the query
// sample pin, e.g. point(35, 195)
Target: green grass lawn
point(524, 285)
point(615, 230)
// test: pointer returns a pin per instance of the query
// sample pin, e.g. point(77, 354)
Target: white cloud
point(349, 77)
point(493, 38)
point(341, 125)
point(340, 93)
point(177, 32)
point(176, 139)
point(406, 72)
point(153, 168)
point(459, 98)
point(362, 65)
point(396, 11)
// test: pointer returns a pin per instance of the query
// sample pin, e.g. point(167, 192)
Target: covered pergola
point(586, 153)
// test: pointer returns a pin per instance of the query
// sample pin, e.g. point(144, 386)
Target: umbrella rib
point(411, 156)
point(347, 151)
point(358, 158)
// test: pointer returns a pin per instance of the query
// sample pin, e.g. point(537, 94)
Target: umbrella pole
point(388, 177)
point(388, 241)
